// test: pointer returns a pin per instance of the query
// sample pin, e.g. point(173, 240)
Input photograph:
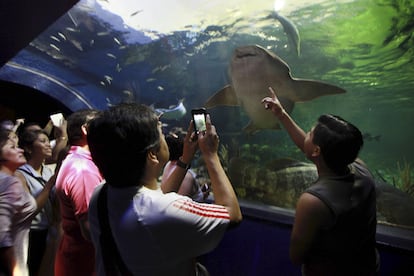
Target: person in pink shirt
point(77, 178)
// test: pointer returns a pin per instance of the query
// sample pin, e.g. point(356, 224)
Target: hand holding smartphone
point(57, 119)
point(199, 119)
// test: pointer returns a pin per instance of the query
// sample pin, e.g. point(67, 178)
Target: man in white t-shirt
point(156, 231)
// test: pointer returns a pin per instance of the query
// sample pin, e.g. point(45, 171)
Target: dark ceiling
point(22, 20)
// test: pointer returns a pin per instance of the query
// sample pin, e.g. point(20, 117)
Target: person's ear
point(316, 151)
point(152, 157)
point(84, 129)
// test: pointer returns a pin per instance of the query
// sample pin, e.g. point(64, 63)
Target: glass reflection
point(175, 55)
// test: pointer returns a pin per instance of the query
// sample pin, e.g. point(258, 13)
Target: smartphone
point(199, 119)
point(57, 119)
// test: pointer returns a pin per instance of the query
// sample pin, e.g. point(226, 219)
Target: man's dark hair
point(339, 140)
point(119, 140)
point(75, 121)
point(175, 144)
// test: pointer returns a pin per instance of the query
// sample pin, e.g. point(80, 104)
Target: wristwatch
point(183, 165)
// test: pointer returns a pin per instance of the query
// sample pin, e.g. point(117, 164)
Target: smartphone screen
point(199, 118)
point(57, 119)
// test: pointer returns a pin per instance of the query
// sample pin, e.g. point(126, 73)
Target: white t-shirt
point(157, 233)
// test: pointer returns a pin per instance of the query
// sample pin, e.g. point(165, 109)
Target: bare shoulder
point(310, 200)
point(310, 205)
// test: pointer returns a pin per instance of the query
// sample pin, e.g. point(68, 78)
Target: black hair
point(4, 136)
point(75, 121)
point(26, 125)
point(119, 140)
point(175, 144)
point(339, 140)
point(27, 139)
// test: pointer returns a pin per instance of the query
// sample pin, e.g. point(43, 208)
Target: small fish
point(70, 29)
point(127, 93)
point(54, 47)
point(77, 44)
point(173, 112)
point(55, 38)
point(291, 31)
point(103, 33)
point(135, 13)
point(369, 137)
point(62, 36)
point(108, 79)
point(160, 68)
point(117, 41)
point(111, 55)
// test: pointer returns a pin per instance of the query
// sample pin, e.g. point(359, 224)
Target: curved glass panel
point(175, 55)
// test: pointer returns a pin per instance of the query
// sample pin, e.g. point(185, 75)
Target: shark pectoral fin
point(251, 128)
point(226, 96)
point(306, 90)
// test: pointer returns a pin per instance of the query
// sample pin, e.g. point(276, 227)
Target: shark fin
point(307, 90)
point(251, 128)
point(225, 96)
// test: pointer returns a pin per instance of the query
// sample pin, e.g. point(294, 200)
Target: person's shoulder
point(358, 167)
point(308, 198)
point(311, 203)
point(11, 186)
point(313, 209)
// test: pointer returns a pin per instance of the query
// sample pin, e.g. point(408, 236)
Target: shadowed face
point(163, 153)
point(11, 156)
point(41, 146)
point(309, 146)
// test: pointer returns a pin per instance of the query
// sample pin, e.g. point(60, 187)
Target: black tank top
point(349, 242)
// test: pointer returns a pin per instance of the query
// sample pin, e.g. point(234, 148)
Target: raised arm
point(43, 196)
point(273, 104)
point(171, 182)
point(224, 194)
point(61, 138)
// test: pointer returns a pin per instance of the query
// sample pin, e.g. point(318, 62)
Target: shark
point(252, 70)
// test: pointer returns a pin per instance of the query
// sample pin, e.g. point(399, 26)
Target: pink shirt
point(75, 183)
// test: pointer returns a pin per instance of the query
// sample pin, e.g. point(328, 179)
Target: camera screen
point(200, 122)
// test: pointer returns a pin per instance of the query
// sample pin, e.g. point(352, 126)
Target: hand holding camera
point(205, 132)
point(199, 119)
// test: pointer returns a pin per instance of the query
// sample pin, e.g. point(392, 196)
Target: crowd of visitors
point(102, 209)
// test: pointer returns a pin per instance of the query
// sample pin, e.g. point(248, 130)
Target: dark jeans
point(37, 248)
